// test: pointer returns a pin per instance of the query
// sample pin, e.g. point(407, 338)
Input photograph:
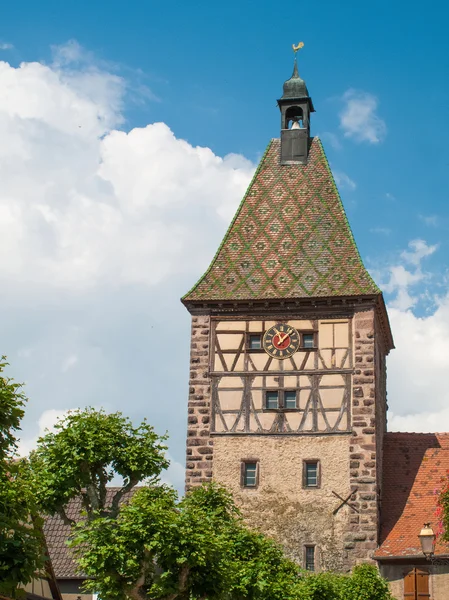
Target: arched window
point(294, 114)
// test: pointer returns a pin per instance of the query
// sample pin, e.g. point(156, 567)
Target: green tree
point(365, 583)
point(84, 453)
point(21, 544)
point(198, 548)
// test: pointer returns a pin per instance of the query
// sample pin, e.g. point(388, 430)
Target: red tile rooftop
point(413, 466)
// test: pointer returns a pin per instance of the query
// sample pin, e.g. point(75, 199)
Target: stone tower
point(287, 402)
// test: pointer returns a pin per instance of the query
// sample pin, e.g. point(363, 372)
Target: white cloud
point(6, 46)
point(101, 232)
point(419, 250)
point(343, 181)
point(45, 424)
point(418, 370)
point(69, 53)
point(400, 280)
point(359, 120)
point(82, 203)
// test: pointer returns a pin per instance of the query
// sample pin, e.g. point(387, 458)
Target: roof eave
point(314, 301)
point(415, 557)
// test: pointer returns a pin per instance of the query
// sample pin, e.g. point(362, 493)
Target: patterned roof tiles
point(413, 466)
point(290, 238)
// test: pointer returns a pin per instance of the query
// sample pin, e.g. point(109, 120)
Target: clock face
point(281, 341)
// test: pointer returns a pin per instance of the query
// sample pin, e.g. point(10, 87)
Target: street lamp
point(427, 539)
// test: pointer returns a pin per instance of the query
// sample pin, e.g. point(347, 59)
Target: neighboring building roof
point(413, 466)
point(290, 238)
point(57, 533)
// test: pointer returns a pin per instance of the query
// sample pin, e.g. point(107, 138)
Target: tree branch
point(182, 583)
point(103, 480)
point(137, 593)
point(65, 518)
point(113, 512)
point(93, 497)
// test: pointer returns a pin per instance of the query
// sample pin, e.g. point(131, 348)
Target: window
point(254, 342)
point(311, 474)
point(290, 399)
point(416, 585)
point(309, 552)
point(280, 399)
point(308, 340)
point(250, 473)
point(272, 400)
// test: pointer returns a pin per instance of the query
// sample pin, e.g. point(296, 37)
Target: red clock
point(281, 341)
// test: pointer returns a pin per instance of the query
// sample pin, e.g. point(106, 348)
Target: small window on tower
point(254, 342)
point(290, 399)
point(311, 473)
point(250, 473)
point(272, 400)
point(308, 340)
point(309, 557)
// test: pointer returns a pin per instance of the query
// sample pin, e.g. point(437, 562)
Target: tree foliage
point(197, 548)
point(84, 453)
point(365, 583)
point(21, 544)
point(442, 511)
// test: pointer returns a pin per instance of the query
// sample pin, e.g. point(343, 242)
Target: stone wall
point(362, 536)
point(381, 414)
point(280, 506)
point(199, 444)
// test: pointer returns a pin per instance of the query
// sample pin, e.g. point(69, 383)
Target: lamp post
point(427, 539)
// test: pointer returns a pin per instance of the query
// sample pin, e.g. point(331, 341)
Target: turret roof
point(290, 238)
point(295, 87)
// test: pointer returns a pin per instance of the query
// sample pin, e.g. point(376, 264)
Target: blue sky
point(81, 320)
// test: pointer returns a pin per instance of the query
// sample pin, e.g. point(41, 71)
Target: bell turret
point(296, 106)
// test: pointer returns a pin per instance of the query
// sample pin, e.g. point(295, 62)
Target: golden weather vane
point(297, 47)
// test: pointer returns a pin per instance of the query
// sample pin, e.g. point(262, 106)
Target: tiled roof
point(57, 533)
point(290, 238)
point(413, 465)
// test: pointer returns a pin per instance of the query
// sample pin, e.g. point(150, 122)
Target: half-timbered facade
point(287, 403)
point(309, 391)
